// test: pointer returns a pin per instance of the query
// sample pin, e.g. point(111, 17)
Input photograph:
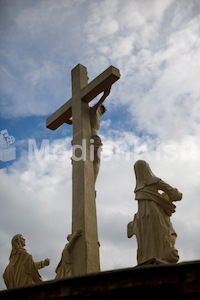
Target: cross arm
point(60, 116)
point(100, 84)
point(89, 92)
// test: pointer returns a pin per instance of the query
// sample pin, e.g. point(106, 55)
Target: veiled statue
point(22, 270)
point(152, 225)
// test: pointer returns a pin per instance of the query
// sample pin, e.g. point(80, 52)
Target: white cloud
point(42, 15)
point(37, 46)
point(48, 70)
point(159, 63)
point(173, 99)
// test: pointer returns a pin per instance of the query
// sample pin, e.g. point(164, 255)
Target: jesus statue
point(95, 117)
point(96, 112)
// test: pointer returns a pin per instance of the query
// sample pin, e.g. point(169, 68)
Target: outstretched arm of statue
point(105, 95)
point(173, 193)
point(73, 239)
point(42, 264)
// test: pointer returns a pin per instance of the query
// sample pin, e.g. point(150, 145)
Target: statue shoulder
point(24, 254)
point(23, 251)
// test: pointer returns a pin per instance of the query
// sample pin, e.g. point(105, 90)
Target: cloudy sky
point(153, 113)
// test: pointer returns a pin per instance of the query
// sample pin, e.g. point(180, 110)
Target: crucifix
point(85, 256)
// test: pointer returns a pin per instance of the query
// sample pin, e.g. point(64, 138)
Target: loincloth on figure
point(97, 142)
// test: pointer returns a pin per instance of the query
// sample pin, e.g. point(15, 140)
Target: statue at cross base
point(64, 268)
point(86, 123)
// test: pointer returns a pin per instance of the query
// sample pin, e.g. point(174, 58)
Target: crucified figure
point(96, 112)
point(95, 117)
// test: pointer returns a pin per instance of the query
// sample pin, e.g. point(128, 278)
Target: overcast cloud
point(153, 114)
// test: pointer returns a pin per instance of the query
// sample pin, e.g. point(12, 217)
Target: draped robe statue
point(64, 268)
point(152, 225)
point(22, 270)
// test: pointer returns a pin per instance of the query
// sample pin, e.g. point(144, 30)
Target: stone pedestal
point(159, 281)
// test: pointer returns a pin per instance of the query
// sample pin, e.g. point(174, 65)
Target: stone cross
point(86, 250)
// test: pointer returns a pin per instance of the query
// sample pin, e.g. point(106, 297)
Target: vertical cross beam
point(86, 250)
point(85, 254)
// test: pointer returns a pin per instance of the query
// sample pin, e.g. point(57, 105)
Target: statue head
point(144, 175)
point(103, 109)
point(18, 242)
point(69, 237)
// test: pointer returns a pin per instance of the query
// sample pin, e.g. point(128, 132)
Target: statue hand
point(69, 122)
point(46, 261)
point(107, 92)
point(78, 232)
point(180, 195)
